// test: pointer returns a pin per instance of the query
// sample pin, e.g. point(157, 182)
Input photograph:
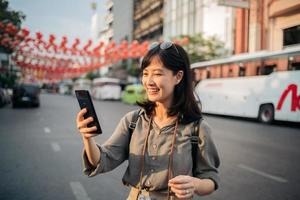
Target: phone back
point(85, 101)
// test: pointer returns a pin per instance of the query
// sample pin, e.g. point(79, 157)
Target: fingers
point(88, 130)
point(84, 123)
point(179, 179)
point(80, 115)
point(182, 187)
point(89, 135)
point(185, 194)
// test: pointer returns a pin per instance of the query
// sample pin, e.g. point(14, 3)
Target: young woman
point(159, 150)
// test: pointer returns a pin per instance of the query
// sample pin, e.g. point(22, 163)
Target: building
point(189, 17)
point(262, 26)
point(148, 20)
point(122, 23)
point(97, 23)
point(118, 22)
point(267, 25)
point(108, 31)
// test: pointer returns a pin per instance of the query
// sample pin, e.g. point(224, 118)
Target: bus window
point(242, 71)
point(271, 95)
point(267, 69)
point(296, 66)
point(207, 73)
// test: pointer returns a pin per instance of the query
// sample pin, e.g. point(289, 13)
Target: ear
point(179, 76)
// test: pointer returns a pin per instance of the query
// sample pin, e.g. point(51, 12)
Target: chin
point(153, 98)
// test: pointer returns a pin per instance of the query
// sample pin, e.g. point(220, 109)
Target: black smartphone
point(85, 101)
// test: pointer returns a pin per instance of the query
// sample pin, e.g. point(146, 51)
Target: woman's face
point(159, 82)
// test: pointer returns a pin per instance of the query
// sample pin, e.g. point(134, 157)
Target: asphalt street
point(40, 151)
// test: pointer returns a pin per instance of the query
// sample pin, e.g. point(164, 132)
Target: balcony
point(109, 4)
point(109, 18)
point(146, 7)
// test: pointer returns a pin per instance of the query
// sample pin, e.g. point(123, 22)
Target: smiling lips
point(152, 90)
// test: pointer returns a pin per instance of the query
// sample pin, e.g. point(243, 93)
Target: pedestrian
point(159, 147)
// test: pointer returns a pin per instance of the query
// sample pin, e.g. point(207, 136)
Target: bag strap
point(194, 138)
point(132, 124)
point(195, 141)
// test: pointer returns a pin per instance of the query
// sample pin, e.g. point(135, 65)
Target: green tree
point(9, 16)
point(8, 78)
point(202, 48)
point(91, 75)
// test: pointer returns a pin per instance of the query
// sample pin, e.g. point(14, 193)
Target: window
point(291, 36)
point(296, 66)
point(265, 70)
point(242, 71)
point(208, 74)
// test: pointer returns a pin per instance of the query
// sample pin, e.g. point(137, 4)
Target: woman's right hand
point(86, 132)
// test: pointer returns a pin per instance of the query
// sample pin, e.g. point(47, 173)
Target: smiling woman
point(156, 140)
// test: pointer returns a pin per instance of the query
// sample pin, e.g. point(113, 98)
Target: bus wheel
point(266, 113)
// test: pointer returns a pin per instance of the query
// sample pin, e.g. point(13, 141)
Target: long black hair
point(184, 103)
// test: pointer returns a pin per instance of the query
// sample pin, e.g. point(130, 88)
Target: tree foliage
point(202, 48)
point(9, 16)
point(8, 78)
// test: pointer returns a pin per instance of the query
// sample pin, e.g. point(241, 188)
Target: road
point(40, 151)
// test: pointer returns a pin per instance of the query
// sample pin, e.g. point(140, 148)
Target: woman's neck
point(161, 111)
point(161, 117)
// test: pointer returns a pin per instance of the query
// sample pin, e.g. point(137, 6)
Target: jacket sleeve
point(208, 159)
point(113, 152)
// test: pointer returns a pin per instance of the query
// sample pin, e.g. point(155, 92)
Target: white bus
point(272, 93)
point(106, 89)
point(82, 84)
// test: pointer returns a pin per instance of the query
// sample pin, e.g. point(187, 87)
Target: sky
point(71, 18)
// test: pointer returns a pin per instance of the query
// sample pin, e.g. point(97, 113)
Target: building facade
point(148, 20)
point(108, 31)
point(262, 26)
point(122, 23)
point(189, 17)
point(267, 25)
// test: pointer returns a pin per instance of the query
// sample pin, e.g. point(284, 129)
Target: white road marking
point(55, 147)
point(47, 130)
point(275, 178)
point(79, 191)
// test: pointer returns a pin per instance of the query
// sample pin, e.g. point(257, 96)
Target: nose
point(148, 80)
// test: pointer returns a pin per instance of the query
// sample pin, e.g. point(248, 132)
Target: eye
point(145, 74)
point(157, 74)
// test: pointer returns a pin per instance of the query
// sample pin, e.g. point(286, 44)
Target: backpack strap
point(195, 141)
point(132, 124)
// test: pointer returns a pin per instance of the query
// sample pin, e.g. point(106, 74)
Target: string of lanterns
point(50, 59)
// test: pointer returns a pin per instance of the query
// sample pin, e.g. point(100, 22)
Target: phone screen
point(85, 101)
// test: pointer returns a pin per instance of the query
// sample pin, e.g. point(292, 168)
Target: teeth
point(153, 90)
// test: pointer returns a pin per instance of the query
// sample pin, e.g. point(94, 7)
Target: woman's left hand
point(182, 186)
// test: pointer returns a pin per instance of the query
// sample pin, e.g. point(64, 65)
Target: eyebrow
point(159, 70)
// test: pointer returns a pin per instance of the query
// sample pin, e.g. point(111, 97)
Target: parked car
point(2, 97)
point(26, 95)
point(133, 93)
point(5, 97)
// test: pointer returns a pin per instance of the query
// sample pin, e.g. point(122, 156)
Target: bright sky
point(60, 17)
